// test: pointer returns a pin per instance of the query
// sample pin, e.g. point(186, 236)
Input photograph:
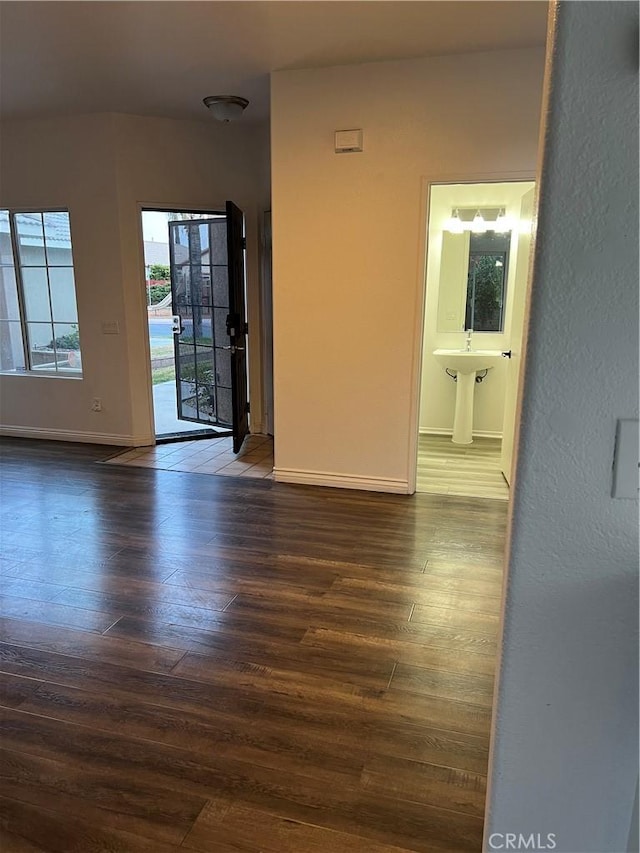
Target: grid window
point(38, 310)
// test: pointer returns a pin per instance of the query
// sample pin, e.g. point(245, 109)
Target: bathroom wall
point(438, 391)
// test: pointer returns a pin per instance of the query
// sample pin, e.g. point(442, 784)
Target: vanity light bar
point(476, 220)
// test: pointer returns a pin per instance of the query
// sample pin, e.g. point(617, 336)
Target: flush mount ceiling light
point(226, 107)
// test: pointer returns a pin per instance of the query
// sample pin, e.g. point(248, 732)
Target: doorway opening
point(168, 425)
point(195, 286)
point(478, 247)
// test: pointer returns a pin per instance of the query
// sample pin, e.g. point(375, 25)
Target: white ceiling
point(162, 58)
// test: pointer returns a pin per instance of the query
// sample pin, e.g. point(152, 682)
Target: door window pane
point(204, 241)
point(225, 411)
point(219, 242)
point(220, 327)
point(223, 367)
point(200, 285)
point(220, 285)
point(181, 287)
point(205, 379)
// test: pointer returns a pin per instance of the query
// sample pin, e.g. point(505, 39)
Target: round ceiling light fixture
point(226, 107)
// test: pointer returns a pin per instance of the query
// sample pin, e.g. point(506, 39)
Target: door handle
point(506, 354)
point(177, 328)
point(234, 349)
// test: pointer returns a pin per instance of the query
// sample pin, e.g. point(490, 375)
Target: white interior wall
point(348, 230)
point(565, 744)
point(438, 391)
point(71, 163)
point(166, 163)
point(102, 168)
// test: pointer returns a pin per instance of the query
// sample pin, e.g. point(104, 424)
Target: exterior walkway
point(164, 411)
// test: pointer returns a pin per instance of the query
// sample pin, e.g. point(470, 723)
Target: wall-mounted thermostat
point(348, 141)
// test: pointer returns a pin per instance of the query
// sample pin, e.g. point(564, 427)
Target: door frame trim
point(426, 182)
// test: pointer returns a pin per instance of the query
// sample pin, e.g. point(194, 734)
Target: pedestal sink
point(465, 364)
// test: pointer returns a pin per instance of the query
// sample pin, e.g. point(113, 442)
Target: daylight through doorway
point(160, 312)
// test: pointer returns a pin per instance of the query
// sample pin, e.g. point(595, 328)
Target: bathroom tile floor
point(208, 456)
point(471, 470)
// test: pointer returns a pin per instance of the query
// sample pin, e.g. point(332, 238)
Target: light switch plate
point(625, 460)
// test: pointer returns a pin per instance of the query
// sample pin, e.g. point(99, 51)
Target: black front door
point(237, 325)
point(207, 287)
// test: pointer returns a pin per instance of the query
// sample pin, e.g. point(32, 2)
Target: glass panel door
point(200, 292)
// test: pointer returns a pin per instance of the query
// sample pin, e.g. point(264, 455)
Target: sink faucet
point(468, 340)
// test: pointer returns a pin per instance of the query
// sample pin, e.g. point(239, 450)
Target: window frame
point(29, 370)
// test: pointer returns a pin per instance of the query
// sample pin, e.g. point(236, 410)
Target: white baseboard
point(476, 433)
point(341, 481)
point(83, 437)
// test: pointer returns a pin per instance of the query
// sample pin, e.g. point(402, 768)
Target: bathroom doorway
point(478, 248)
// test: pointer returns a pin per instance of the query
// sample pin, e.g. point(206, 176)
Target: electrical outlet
point(96, 404)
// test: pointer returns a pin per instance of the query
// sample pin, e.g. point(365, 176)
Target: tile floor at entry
point(208, 456)
point(466, 470)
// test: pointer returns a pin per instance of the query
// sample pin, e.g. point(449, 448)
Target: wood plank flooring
point(467, 470)
point(220, 664)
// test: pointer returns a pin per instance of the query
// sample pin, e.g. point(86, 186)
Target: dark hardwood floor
point(217, 664)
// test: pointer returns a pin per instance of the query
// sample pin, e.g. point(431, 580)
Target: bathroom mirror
point(473, 276)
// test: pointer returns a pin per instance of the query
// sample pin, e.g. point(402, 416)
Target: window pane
point(63, 295)
point(46, 286)
point(6, 250)
point(36, 294)
point(67, 341)
point(11, 350)
point(41, 353)
point(57, 232)
point(8, 294)
point(30, 238)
